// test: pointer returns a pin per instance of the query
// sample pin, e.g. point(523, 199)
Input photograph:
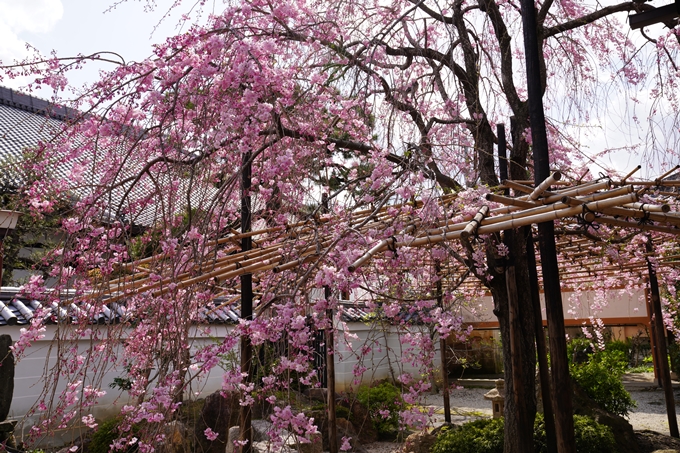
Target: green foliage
point(342, 412)
point(486, 436)
point(646, 367)
point(600, 378)
point(385, 398)
point(107, 432)
point(589, 436)
point(480, 436)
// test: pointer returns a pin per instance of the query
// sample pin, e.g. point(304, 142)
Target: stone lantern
point(497, 398)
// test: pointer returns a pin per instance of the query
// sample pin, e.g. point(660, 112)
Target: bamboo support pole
point(545, 185)
point(510, 201)
point(636, 213)
point(526, 220)
point(623, 181)
point(622, 223)
point(660, 178)
point(471, 228)
point(648, 207)
point(382, 245)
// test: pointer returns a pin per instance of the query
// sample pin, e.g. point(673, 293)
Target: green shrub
point(622, 347)
point(486, 436)
point(479, 436)
point(383, 402)
point(589, 436)
point(105, 435)
point(600, 376)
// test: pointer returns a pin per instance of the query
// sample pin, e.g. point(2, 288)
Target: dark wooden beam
point(245, 414)
point(660, 337)
point(561, 381)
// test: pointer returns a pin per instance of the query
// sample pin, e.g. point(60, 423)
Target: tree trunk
point(519, 412)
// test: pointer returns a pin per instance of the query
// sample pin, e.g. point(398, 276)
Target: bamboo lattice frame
point(574, 204)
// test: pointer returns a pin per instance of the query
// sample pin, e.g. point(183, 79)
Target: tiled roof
point(20, 311)
point(25, 121)
point(354, 312)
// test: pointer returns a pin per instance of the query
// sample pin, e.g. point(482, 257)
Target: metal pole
point(245, 415)
point(659, 330)
point(561, 381)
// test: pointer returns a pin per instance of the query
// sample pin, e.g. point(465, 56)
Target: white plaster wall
point(33, 368)
point(385, 356)
point(576, 306)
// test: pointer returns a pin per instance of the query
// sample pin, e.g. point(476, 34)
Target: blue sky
point(80, 26)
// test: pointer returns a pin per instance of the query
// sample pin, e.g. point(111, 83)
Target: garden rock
point(363, 424)
point(175, 438)
point(316, 394)
point(6, 375)
point(232, 435)
point(315, 446)
point(626, 442)
point(420, 442)
point(346, 429)
point(219, 414)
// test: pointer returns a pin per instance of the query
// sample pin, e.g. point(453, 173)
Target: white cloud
point(36, 16)
point(32, 16)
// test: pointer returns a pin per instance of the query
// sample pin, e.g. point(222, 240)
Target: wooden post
point(652, 334)
point(245, 414)
point(660, 337)
point(524, 441)
point(502, 155)
point(561, 381)
point(330, 363)
point(543, 370)
point(442, 347)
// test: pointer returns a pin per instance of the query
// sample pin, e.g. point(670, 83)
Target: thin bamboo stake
point(623, 181)
point(660, 178)
point(644, 227)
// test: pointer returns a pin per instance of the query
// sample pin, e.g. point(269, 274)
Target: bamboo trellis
point(577, 206)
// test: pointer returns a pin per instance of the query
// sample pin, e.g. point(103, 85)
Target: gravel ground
point(469, 404)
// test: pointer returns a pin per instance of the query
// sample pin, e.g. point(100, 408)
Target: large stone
point(175, 438)
point(346, 429)
point(7, 433)
point(233, 435)
point(626, 442)
point(420, 442)
point(219, 414)
point(316, 394)
point(315, 446)
point(6, 375)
